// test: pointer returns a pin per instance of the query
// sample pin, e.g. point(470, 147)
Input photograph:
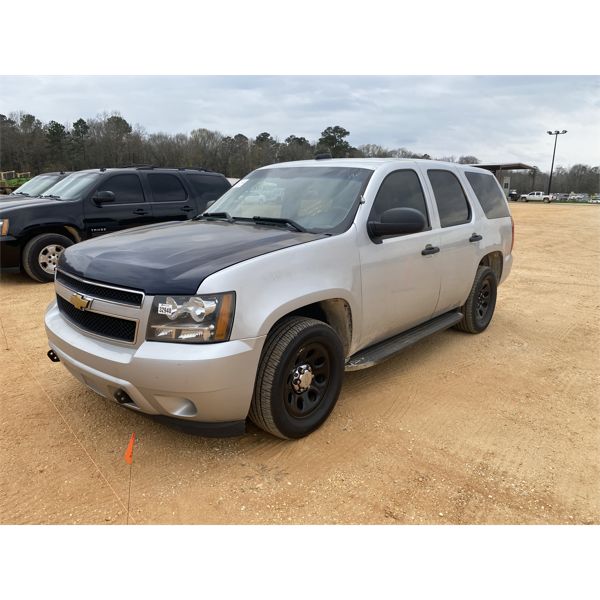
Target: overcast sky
point(496, 118)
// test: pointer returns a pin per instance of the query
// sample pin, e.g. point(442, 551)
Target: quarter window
point(208, 187)
point(489, 194)
point(166, 188)
point(400, 189)
point(450, 198)
point(126, 188)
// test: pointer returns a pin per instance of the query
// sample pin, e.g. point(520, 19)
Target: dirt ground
point(497, 428)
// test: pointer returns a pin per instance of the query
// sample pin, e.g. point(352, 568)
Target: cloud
point(496, 118)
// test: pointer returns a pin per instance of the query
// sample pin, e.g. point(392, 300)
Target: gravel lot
point(496, 428)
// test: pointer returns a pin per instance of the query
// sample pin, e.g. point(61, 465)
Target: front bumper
point(10, 252)
point(198, 384)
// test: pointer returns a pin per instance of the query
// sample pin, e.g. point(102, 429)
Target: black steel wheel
point(309, 375)
point(479, 307)
point(299, 378)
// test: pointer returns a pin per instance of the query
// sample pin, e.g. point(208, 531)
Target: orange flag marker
point(129, 452)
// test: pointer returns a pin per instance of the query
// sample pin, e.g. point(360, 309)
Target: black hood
point(174, 258)
point(8, 203)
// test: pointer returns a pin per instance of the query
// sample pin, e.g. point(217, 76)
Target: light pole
point(555, 134)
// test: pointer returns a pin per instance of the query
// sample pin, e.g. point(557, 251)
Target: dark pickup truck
point(35, 231)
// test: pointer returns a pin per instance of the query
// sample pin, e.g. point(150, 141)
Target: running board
point(383, 350)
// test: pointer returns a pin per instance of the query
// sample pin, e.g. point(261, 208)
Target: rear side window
point(489, 194)
point(450, 198)
point(126, 188)
point(166, 188)
point(207, 187)
point(400, 189)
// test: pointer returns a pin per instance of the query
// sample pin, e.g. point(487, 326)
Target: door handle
point(140, 211)
point(475, 238)
point(186, 208)
point(429, 249)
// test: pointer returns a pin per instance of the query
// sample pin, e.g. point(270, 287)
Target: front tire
point(299, 378)
point(41, 254)
point(479, 307)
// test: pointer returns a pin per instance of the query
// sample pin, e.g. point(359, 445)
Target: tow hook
point(53, 356)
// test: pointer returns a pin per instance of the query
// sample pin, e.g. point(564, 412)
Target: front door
point(400, 284)
point(129, 209)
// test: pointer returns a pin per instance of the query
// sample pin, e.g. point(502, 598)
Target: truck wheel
point(41, 255)
point(299, 378)
point(479, 307)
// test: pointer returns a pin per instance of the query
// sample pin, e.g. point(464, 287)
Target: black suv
point(35, 231)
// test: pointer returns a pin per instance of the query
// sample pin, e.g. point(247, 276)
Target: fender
point(45, 226)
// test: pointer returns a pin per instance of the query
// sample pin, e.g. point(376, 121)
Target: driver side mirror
point(397, 221)
point(101, 198)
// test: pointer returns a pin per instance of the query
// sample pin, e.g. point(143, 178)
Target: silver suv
point(298, 273)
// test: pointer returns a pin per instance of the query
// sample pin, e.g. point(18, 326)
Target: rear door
point(458, 235)
point(129, 209)
point(170, 198)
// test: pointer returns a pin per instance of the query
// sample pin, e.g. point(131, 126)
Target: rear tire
point(479, 307)
point(41, 254)
point(299, 378)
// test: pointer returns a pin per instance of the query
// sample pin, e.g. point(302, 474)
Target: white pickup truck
point(537, 197)
point(256, 308)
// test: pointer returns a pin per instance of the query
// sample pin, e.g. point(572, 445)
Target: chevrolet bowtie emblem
point(80, 302)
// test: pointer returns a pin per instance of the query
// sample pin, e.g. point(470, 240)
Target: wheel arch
point(495, 261)
point(336, 312)
point(69, 231)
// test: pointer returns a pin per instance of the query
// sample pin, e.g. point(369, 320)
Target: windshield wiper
point(50, 196)
point(278, 221)
point(22, 194)
point(215, 215)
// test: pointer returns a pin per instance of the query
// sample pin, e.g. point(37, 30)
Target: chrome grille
point(101, 291)
point(98, 324)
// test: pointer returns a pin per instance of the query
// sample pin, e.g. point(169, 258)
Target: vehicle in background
point(513, 195)
point(537, 197)
point(37, 185)
point(573, 197)
point(9, 181)
point(35, 231)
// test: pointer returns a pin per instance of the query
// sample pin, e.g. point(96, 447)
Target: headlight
point(3, 226)
point(192, 319)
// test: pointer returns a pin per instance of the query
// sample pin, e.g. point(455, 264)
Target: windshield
point(316, 198)
point(73, 186)
point(37, 185)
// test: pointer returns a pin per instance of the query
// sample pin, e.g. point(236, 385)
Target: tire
point(299, 378)
point(41, 255)
point(479, 307)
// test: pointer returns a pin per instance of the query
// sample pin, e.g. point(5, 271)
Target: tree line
point(108, 140)
point(578, 178)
